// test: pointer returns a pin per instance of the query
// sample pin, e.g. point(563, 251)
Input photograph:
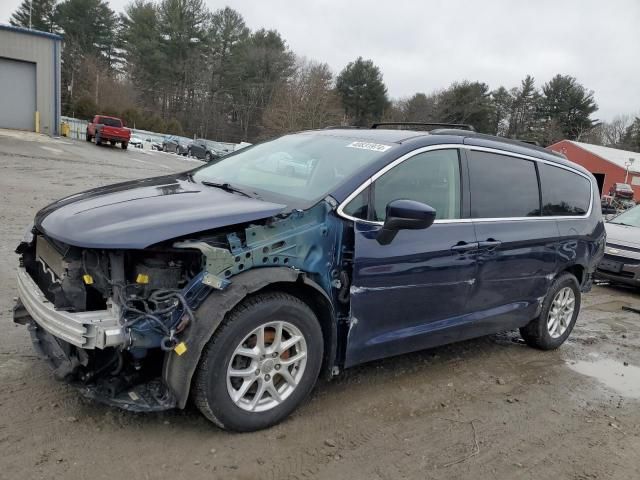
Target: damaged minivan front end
point(127, 325)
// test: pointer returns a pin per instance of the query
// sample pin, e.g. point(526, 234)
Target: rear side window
point(563, 192)
point(502, 186)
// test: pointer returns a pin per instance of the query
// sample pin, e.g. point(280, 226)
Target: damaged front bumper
point(88, 330)
point(55, 334)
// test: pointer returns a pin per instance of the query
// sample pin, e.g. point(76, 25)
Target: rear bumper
point(88, 330)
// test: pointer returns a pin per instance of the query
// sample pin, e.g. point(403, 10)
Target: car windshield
point(303, 166)
point(630, 217)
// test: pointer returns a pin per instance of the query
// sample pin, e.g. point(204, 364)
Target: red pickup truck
point(108, 129)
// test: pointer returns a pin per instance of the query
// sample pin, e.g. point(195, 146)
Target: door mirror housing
point(405, 215)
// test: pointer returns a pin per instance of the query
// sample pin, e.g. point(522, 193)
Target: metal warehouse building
point(608, 165)
point(29, 80)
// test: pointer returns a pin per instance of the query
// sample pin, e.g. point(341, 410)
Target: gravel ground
point(488, 408)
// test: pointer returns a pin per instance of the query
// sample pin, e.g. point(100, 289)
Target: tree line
point(175, 66)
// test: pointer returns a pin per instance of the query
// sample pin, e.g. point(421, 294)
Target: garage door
point(17, 94)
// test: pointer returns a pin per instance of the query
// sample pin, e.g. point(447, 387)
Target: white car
point(136, 141)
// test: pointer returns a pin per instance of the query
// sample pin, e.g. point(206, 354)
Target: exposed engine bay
point(146, 299)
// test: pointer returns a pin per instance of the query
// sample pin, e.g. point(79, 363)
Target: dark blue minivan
point(240, 282)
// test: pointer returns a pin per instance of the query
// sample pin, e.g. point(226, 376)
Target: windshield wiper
point(226, 187)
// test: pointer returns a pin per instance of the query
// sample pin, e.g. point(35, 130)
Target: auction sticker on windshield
point(376, 147)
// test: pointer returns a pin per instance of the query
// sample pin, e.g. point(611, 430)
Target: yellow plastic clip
point(142, 278)
point(88, 279)
point(180, 348)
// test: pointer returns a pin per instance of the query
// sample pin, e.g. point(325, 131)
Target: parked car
point(608, 205)
point(156, 144)
point(204, 150)
point(238, 286)
point(136, 141)
point(621, 262)
point(179, 145)
point(108, 129)
point(621, 190)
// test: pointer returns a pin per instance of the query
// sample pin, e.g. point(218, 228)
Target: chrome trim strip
point(386, 168)
point(88, 330)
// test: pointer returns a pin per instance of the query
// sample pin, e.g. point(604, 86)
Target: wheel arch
point(321, 305)
point(178, 370)
point(577, 271)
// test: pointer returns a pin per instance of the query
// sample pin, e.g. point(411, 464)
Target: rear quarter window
point(564, 193)
point(502, 186)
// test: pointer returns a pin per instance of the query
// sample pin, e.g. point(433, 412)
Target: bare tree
point(306, 100)
point(613, 132)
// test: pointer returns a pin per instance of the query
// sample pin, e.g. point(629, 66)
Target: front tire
point(87, 137)
point(207, 157)
point(260, 364)
point(558, 315)
point(98, 139)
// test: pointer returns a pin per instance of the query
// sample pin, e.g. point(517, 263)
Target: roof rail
point(341, 127)
point(463, 126)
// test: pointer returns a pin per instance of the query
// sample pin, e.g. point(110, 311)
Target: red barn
point(608, 165)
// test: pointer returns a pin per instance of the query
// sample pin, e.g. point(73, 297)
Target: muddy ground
point(488, 408)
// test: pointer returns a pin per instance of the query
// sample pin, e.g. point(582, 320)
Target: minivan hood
point(623, 235)
point(140, 213)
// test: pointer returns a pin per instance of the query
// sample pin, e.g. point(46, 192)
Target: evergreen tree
point(364, 94)
point(140, 41)
point(467, 102)
point(524, 110)
point(568, 104)
point(89, 26)
point(36, 14)
point(420, 108)
point(631, 139)
point(503, 102)
point(260, 64)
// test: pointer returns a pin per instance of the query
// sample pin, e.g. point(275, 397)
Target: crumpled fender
point(178, 370)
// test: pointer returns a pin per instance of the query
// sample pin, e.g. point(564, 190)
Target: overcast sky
point(423, 45)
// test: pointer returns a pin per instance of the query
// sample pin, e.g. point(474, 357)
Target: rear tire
point(224, 372)
point(556, 320)
point(124, 145)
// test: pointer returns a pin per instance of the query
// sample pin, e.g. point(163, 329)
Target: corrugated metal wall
point(44, 52)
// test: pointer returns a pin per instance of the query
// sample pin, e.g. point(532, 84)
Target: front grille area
point(625, 260)
point(623, 247)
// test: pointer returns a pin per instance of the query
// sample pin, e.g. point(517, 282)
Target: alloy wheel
point(561, 312)
point(267, 366)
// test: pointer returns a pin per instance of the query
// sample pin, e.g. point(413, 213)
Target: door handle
point(490, 244)
point(462, 247)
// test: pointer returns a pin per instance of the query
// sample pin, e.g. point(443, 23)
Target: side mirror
point(405, 215)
